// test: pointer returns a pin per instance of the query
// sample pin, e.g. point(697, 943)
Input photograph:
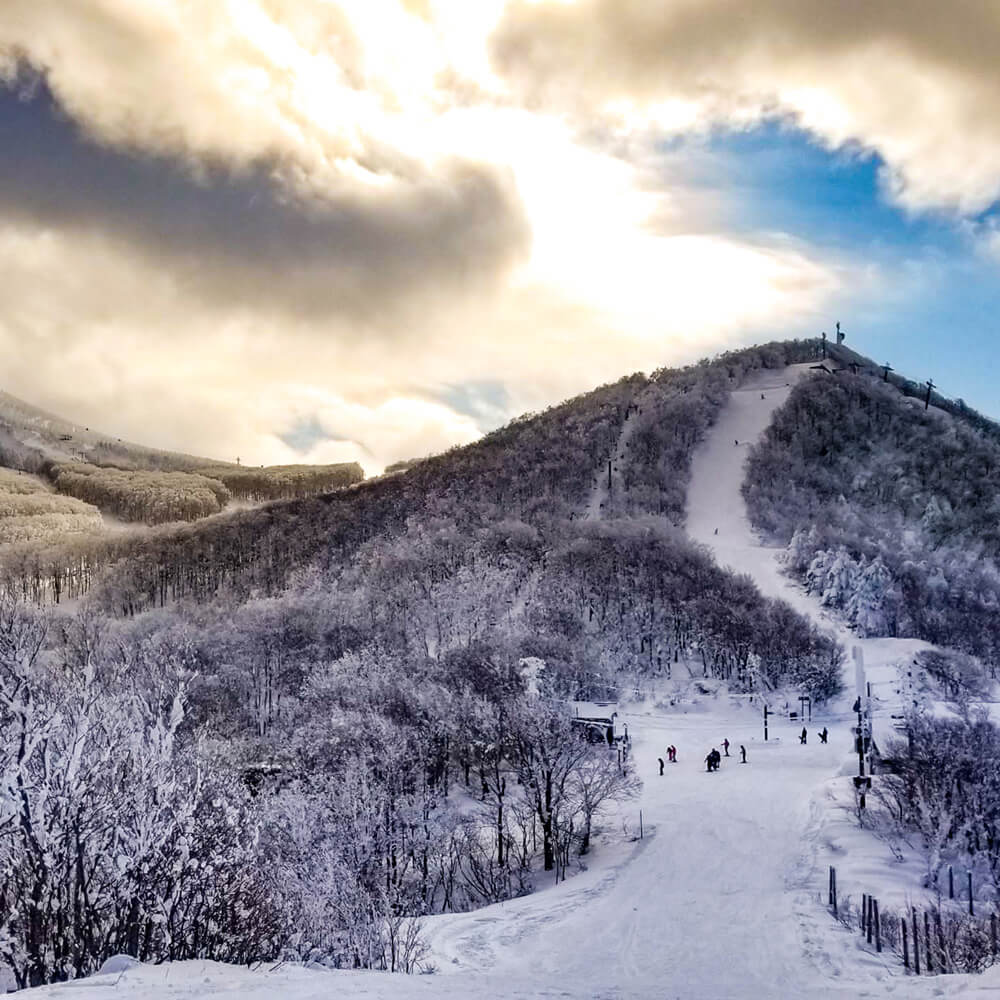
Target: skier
point(673, 754)
point(725, 746)
point(709, 761)
point(803, 736)
point(660, 761)
point(823, 735)
point(743, 754)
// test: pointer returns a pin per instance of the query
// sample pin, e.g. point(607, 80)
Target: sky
point(338, 230)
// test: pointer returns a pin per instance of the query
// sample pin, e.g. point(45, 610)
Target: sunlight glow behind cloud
point(489, 181)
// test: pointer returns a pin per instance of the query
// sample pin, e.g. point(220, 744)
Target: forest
point(889, 510)
point(283, 482)
point(293, 731)
point(29, 512)
point(136, 484)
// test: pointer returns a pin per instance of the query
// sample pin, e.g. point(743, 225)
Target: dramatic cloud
point(916, 81)
point(368, 229)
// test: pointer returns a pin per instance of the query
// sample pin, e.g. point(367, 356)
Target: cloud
point(917, 82)
point(306, 230)
point(236, 239)
point(95, 332)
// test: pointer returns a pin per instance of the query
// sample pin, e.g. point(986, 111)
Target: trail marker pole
point(765, 723)
point(906, 951)
point(640, 824)
point(878, 929)
point(972, 908)
point(951, 882)
point(916, 943)
point(927, 941)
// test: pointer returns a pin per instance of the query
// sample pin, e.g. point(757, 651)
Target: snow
point(723, 896)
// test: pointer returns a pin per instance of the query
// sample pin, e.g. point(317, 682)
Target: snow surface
point(722, 898)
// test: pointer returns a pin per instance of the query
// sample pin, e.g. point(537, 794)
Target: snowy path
point(715, 502)
point(720, 853)
point(722, 898)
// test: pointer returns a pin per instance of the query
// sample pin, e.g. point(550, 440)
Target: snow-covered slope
point(717, 518)
point(722, 899)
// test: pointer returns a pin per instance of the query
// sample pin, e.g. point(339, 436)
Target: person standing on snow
point(823, 735)
point(725, 746)
point(743, 754)
point(804, 736)
point(660, 760)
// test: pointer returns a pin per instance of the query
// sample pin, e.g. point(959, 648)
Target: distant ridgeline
point(146, 485)
point(890, 511)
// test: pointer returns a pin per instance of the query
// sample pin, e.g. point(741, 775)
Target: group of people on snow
point(671, 757)
point(714, 758)
point(823, 734)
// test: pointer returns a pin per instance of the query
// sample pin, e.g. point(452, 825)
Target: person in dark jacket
point(660, 760)
point(823, 735)
point(725, 746)
point(804, 736)
point(743, 754)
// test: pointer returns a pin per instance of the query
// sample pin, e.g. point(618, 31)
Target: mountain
point(298, 732)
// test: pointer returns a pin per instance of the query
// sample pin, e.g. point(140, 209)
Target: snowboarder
point(725, 746)
point(709, 761)
point(823, 735)
point(743, 754)
point(803, 736)
point(660, 761)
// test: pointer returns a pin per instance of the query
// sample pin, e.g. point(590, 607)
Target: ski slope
point(721, 899)
point(717, 518)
